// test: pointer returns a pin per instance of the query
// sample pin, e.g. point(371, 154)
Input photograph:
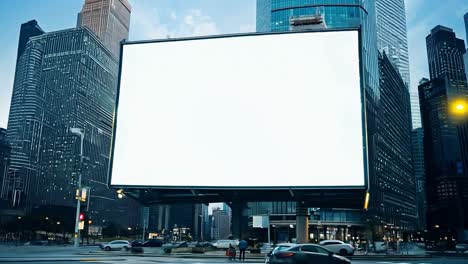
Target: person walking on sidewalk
point(242, 249)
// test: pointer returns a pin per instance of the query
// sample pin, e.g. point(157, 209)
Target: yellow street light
point(459, 107)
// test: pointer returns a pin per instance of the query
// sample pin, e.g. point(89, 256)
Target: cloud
point(173, 15)
point(188, 20)
point(147, 23)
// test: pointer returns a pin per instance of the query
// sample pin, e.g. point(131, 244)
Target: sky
point(153, 19)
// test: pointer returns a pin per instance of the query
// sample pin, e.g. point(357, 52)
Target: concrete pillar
point(302, 223)
point(239, 218)
point(167, 212)
point(160, 217)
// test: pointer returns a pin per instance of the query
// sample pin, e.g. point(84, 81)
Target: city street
point(203, 260)
point(57, 255)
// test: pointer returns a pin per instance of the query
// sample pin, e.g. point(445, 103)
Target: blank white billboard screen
point(278, 110)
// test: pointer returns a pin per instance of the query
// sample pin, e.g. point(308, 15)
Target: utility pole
point(78, 132)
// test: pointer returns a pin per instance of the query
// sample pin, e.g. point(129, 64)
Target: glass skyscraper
point(392, 34)
point(388, 119)
point(5, 150)
point(64, 79)
point(280, 15)
point(445, 136)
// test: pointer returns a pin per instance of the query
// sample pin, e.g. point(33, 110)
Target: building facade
point(109, 19)
point(396, 188)
point(419, 175)
point(5, 150)
point(27, 30)
point(64, 79)
point(445, 54)
point(281, 15)
point(221, 224)
point(445, 134)
point(445, 152)
point(390, 170)
point(465, 57)
point(392, 34)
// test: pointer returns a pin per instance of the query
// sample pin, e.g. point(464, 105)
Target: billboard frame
point(246, 188)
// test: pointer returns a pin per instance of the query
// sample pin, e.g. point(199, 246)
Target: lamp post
point(459, 111)
point(79, 132)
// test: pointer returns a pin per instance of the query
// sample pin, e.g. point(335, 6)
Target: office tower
point(396, 191)
point(392, 38)
point(445, 54)
point(64, 79)
point(387, 185)
point(445, 134)
point(221, 224)
point(28, 30)
point(5, 150)
point(109, 19)
point(392, 34)
point(465, 57)
point(445, 157)
point(419, 175)
point(465, 17)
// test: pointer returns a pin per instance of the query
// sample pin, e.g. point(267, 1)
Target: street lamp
point(459, 111)
point(459, 107)
point(79, 132)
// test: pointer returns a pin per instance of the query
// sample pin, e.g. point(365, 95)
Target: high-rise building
point(221, 224)
point(445, 134)
point(419, 175)
point(445, 54)
point(283, 15)
point(5, 150)
point(465, 17)
point(465, 57)
point(64, 79)
point(396, 187)
point(392, 34)
point(445, 156)
point(109, 19)
point(27, 30)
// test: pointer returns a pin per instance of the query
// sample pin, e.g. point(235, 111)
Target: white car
point(224, 243)
point(338, 247)
point(116, 245)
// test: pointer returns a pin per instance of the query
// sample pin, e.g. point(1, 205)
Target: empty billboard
point(241, 111)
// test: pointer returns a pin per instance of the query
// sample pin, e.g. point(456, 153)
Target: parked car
point(305, 253)
point(224, 243)
point(153, 243)
point(338, 247)
point(136, 243)
point(116, 245)
point(461, 247)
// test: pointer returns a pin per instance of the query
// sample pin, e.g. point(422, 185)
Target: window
point(309, 248)
point(322, 250)
point(331, 243)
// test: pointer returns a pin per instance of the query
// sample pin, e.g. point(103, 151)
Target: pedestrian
point(231, 252)
point(242, 248)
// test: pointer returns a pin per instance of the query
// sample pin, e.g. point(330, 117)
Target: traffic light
point(81, 217)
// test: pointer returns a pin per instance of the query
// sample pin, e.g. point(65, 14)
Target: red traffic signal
point(81, 217)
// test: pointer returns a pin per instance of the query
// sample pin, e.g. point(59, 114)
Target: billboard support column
point(302, 223)
point(238, 221)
